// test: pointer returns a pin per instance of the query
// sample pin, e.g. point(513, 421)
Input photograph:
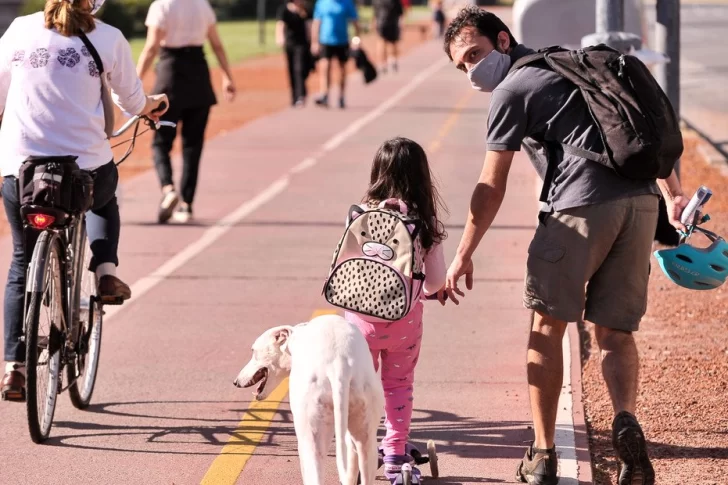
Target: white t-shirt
point(50, 92)
point(184, 22)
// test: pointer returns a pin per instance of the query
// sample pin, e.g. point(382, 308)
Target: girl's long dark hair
point(400, 170)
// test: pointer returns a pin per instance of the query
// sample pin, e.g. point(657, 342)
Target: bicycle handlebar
point(155, 125)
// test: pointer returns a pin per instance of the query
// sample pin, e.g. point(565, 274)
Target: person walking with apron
point(177, 31)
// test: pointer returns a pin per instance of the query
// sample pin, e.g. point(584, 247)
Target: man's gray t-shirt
point(534, 104)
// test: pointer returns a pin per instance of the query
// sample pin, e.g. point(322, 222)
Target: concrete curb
point(581, 434)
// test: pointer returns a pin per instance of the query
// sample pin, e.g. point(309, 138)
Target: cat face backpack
point(377, 269)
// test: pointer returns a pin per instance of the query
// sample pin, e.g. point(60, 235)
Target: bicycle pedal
point(13, 396)
point(111, 300)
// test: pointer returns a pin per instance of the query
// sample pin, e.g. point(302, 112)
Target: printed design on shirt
point(18, 56)
point(85, 52)
point(93, 71)
point(39, 57)
point(69, 57)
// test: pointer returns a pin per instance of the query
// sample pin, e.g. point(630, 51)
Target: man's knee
point(611, 339)
point(546, 332)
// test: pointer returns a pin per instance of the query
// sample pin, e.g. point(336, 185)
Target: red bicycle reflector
point(41, 221)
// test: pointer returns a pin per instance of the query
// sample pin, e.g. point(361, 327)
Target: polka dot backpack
point(377, 269)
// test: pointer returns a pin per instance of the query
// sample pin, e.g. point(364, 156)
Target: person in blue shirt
point(330, 39)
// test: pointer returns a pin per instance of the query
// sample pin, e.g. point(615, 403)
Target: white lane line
point(221, 227)
point(565, 435)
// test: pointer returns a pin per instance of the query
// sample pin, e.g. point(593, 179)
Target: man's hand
point(458, 268)
point(675, 208)
point(315, 49)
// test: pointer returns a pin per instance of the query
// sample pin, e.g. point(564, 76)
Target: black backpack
point(637, 124)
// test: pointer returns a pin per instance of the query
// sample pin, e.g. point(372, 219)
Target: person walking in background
point(438, 16)
point(329, 39)
point(293, 32)
point(387, 17)
point(177, 30)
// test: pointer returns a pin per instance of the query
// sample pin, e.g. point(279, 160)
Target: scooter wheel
point(432, 454)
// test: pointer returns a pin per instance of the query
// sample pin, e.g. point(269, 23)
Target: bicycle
point(59, 283)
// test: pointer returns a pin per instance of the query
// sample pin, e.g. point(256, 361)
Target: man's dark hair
point(486, 23)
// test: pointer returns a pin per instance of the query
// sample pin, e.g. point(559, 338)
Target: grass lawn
point(241, 37)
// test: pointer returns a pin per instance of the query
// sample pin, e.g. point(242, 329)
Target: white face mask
point(487, 74)
point(96, 6)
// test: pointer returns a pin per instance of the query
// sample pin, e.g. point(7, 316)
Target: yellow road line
point(228, 466)
point(449, 122)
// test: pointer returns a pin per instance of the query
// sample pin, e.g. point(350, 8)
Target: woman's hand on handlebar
point(157, 105)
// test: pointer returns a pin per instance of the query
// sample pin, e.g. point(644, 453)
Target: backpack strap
point(92, 50)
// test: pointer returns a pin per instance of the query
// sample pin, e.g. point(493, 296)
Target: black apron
point(183, 75)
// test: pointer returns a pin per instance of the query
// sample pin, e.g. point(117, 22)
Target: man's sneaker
point(342, 103)
point(12, 387)
point(183, 214)
point(167, 205)
point(113, 291)
point(539, 467)
point(629, 444)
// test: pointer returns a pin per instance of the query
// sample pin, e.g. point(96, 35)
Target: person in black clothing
point(293, 28)
point(387, 15)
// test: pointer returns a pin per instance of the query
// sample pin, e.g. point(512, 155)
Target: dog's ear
point(281, 337)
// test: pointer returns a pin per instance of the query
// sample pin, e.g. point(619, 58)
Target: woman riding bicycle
point(51, 104)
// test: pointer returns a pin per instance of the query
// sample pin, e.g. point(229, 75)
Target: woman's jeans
point(102, 226)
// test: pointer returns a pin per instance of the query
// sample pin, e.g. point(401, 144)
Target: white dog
point(333, 390)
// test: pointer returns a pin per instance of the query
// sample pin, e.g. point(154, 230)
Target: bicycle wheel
point(43, 336)
point(81, 372)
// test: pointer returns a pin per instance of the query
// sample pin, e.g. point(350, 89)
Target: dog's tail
point(340, 383)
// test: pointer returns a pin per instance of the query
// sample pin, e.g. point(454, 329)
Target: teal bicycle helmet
point(696, 268)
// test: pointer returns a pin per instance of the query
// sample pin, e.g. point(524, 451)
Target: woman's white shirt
point(50, 92)
point(184, 22)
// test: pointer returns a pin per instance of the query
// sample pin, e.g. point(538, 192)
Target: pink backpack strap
point(397, 204)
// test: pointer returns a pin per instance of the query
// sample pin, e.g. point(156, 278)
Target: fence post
point(261, 22)
point(610, 16)
point(667, 41)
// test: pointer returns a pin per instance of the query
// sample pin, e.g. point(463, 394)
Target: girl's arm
point(435, 270)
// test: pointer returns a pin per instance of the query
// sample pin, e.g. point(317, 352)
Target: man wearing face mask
point(590, 255)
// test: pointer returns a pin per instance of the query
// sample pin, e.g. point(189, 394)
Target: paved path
point(272, 201)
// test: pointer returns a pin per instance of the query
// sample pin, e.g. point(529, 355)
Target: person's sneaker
point(631, 448)
point(183, 214)
point(12, 387)
point(167, 205)
point(113, 291)
point(342, 103)
point(322, 101)
point(539, 467)
point(396, 465)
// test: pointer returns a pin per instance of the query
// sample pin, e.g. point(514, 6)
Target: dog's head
point(270, 364)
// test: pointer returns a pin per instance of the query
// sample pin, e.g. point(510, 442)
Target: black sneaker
point(342, 103)
point(322, 101)
point(539, 467)
point(631, 448)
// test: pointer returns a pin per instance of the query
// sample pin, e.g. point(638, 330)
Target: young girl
point(401, 174)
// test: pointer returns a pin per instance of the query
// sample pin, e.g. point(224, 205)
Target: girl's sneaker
point(397, 466)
